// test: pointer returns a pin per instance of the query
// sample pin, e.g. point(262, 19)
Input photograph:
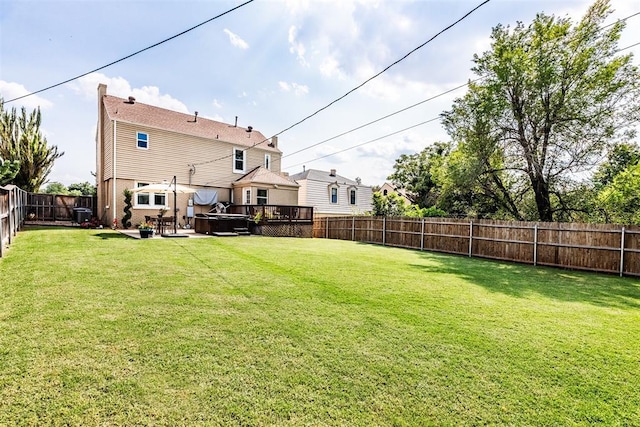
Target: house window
point(384, 193)
point(247, 196)
point(142, 140)
point(239, 160)
point(261, 197)
point(334, 195)
point(352, 196)
point(267, 161)
point(150, 200)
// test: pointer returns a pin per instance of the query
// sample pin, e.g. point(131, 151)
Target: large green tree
point(415, 173)
point(553, 97)
point(21, 140)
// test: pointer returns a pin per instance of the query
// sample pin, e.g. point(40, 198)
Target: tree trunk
point(543, 201)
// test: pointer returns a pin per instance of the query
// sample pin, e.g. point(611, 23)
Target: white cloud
point(216, 103)
point(118, 86)
point(330, 67)
point(11, 90)
point(297, 89)
point(296, 46)
point(235, 40)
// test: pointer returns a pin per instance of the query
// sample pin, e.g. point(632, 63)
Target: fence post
point(384, 230)
point(470, 237)
point(422, 236)
point(535, 244)
point(622, 252)
point(353, 228)
point(10, 214)
point(326, 228)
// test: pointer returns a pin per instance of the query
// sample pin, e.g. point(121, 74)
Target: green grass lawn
point(96, 328)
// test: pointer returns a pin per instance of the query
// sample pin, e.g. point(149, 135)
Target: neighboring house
point(139, 144)
point(331, 194)
point(388, 188)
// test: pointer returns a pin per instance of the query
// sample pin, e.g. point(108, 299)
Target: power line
point(357, 87)
point(383, 117)
point(386, 68)
point(407, 108)
point(133, 54)
point(369, 142)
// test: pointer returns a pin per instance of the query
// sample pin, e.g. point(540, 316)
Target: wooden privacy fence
point(594, 247)
point(12, 213)
point(56, 207)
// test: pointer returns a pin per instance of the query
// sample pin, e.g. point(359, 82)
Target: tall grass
point(96, 328)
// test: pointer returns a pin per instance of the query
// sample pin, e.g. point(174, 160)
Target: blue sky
point(271, 63)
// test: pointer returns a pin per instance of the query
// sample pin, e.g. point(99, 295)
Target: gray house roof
point(261, 175)
point(322, 176)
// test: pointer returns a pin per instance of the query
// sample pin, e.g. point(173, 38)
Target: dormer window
point(142, 140)
point(333, 193)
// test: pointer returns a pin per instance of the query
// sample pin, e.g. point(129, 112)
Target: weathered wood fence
point(56, 207)
point(594, 247)
point(12, 214)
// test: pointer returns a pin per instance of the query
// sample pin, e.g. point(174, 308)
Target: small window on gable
point(334, 195)
point(352, 196)
point(384, 193)
point(239, 160)
point(267, 161)
point(142, 140)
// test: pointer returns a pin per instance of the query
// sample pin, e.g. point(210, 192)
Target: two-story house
point(139, 144)
point(331, 194)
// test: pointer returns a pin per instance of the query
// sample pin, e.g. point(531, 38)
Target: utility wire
point(357, 87)
point(397, 112)
point(133, 54)
point(383, 117)
point(407, 108)
point(369, 142)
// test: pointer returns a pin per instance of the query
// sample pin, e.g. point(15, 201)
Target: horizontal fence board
point(604, 248)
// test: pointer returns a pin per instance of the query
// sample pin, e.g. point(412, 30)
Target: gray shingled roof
point(148, 115)
point(262, 175)
point(322, 176)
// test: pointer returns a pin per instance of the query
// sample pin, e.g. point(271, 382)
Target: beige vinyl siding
point(282, 195)
point(107, 142)
point(316, 194)
point(170, 154)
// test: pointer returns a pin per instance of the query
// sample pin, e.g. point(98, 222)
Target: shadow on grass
point(520, 280)
point(112, 235)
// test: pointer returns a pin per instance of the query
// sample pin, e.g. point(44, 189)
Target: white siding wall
point(316, 194)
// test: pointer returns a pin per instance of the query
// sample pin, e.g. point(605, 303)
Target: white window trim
point(245, 193)
point(337, 188)
point(349, 190)
point(138, 140)
point(244, 160)
point(258, 197)
point(137, 205)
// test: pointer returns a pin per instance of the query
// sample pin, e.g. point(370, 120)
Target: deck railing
point(270, 214)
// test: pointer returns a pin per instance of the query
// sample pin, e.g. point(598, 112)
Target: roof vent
point(132, 100)
point(332, 173)
point(249, 128)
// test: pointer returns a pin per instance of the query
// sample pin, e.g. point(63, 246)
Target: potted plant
point(146, 230)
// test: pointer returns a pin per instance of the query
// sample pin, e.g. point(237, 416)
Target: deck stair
point(242, 231)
